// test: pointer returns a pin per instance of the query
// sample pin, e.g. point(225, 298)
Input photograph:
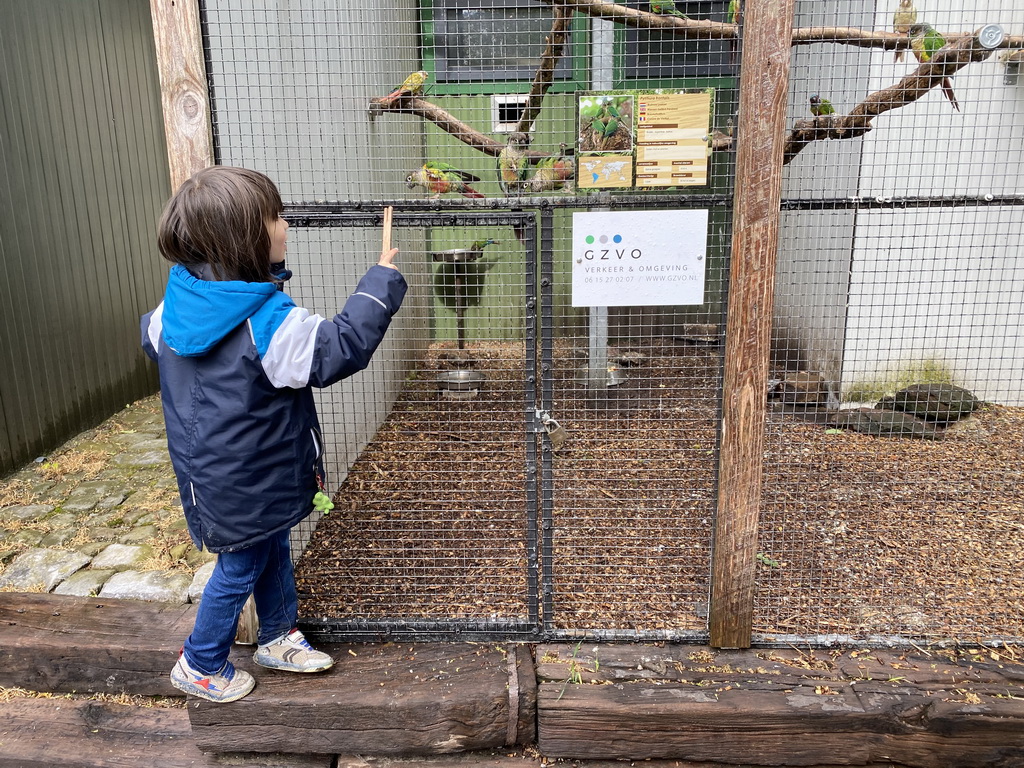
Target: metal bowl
point(460, 380)
point(457, 255)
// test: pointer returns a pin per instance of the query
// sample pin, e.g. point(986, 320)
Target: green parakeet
point(412, 85)
point(552, 173)
point(513, 164)
point(441, 178)
point(667, 8)
point(733, 16)
point(820, 106)
point(902, 19)
point(605, 124)
point(925, 41)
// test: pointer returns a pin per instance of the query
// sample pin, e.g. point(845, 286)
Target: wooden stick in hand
point(386, 245)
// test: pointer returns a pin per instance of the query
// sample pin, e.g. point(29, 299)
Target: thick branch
point(413, 105)
point(945, 63)
point(546, 71)
point(707, 29)
point(631, 17)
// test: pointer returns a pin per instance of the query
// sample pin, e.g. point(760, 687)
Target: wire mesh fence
point(529, 455)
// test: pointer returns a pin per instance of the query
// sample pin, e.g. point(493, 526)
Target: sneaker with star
point(229, 684)
point(291, 653)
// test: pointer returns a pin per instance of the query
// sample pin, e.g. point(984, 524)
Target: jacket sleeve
point(305, 349)
point(152, 326)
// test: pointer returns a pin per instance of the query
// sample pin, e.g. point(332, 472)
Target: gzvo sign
point(639, 258)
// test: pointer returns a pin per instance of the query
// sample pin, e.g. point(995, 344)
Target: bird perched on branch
point(925, 41)
point(902, 19)
point(441, 178)
point(513, 164)
point(734, 15)
point(820, 106)
point(553, 172)
point(667, 8)
point(412, 85)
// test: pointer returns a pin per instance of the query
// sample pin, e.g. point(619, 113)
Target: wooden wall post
point(187, 123)
point(183, 91)
point(764, 86)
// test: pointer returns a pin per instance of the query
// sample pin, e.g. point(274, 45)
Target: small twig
point(546, 70)
point(946, 62)
point(918, 647)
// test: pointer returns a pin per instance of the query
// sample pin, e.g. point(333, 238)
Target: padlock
point(556, 433)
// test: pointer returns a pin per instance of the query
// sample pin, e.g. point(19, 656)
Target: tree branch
point(413, 105)
point(707, 29)
point(945, 63)
point(632, 17)
point(546, 71)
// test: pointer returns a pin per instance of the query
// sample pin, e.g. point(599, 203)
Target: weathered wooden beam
point(779, 707)
point(395, 699)
point(183, 91)
point(764, 84)
point(81, 733)
point(90, 645)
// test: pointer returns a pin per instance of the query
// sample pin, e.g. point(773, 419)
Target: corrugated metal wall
point(84, 179)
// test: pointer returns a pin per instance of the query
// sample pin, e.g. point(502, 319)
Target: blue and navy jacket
point(237, 363)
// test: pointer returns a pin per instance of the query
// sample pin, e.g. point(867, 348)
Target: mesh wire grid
point(897, 266)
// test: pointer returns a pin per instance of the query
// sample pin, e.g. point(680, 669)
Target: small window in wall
point(506, 110)
point(658, 54)
point(491, 39)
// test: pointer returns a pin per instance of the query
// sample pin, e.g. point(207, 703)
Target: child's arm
point(301, 349)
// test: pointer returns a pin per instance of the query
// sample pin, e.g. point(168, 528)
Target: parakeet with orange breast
point(441, 178)
point(552, 173)
point(513, 163)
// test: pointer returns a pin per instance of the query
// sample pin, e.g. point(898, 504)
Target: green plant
point(763, 559)
point(914, 372)
point(575, 674)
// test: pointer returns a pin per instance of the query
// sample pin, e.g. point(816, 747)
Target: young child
point(237, 362)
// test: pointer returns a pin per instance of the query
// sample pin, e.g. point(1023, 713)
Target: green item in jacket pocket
point(322, 502)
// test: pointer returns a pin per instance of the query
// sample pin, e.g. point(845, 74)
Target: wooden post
point(764, 85)
point(187, 124)
point(183, 92)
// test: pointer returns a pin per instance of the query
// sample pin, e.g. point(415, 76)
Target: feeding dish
point(460, 380)
point(458, 255)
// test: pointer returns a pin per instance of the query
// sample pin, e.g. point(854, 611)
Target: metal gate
point(510, 493)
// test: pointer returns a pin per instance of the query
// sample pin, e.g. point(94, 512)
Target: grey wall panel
point(85, 173)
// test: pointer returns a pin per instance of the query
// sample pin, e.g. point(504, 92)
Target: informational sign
point(672, 139)
point(643, 140)
point(638, 258)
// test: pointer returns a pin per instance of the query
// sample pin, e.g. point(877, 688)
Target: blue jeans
point(264, 571)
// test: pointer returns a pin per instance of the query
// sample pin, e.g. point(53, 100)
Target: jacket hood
point(198, 313)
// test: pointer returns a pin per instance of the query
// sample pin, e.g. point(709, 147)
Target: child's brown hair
point(219, 217)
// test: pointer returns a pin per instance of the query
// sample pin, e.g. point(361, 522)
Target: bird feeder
point(459, 258)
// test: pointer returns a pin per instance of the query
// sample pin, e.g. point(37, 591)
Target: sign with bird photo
point(639, 258)
point(643, 140)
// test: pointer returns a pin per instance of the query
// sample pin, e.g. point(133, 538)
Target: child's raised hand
point(386, 257)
